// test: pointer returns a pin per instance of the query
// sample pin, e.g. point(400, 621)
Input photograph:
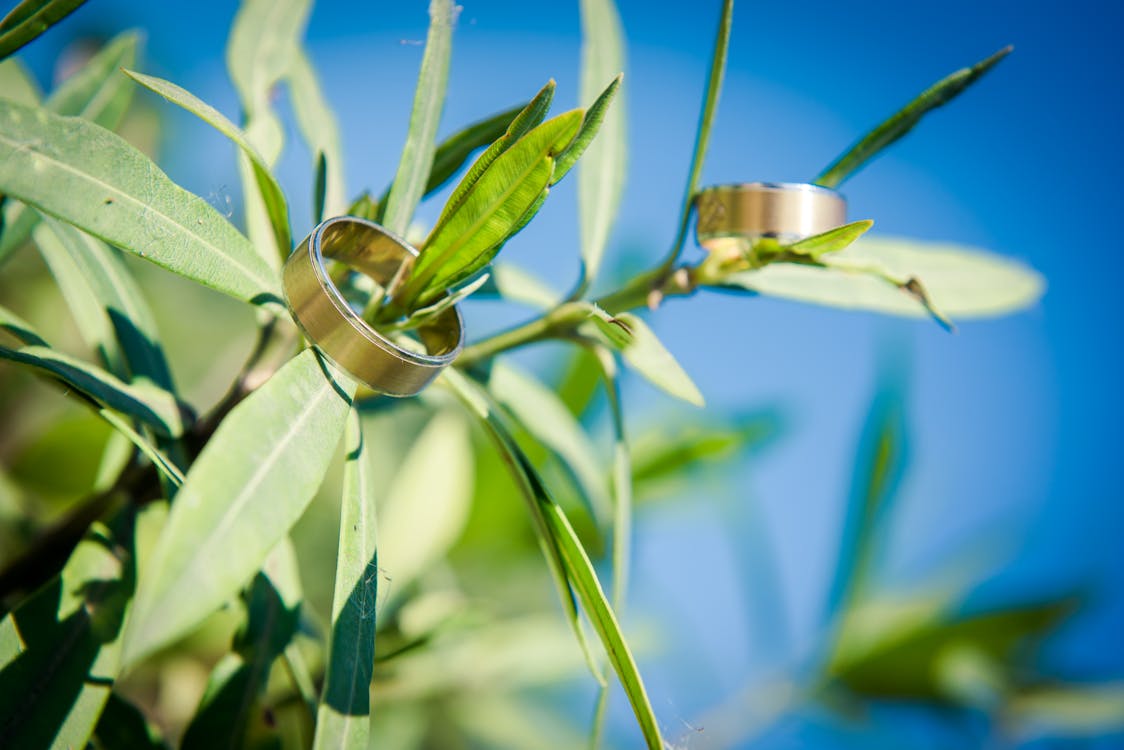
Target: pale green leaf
point(16, 326)
point(318, 127)
point(648, 357)
point(702, 135)
point(17, 85)
point(430, 312)
point(601, 177)
point(97, 92)
point(159, 459)
point(547, 419)
point(244, 492)
point(31, 18)
point(270, 191)
point(902, 121)
point(107, 303)
point(91, 178)
point(426, 510)
point(578, 572)
point(465, 241)
point(60, 649)
point(429, 99)
point(343, 718)
point(1075, 710)
point(961, 281)
point(516, 284)
point(831, 241)
point(143, 401)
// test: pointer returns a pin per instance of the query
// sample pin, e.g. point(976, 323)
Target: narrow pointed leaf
point(343, 718)
point(429, 312)
point(429, 100)
point(963, 282)
point(31, 18)
point(831, 241)
point(547, 419)
point(91, 178)
point(601, 177)
point(248, 487)
point(453, 152)
point(147, 403)
point(60, 649)
point(115, 315)
point(702, 135)
point(17, 85)
point(318, 127)
point(902, 121)
point(576, 566)
point(518, 285)
point(122, 726)
point(16, 326)
point(97, 92)
point(467, 240)
point(271, 193)
point(645, 354)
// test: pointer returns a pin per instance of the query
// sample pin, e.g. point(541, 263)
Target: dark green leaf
point(91, 178)
point(902, 121)
point(429, 100)
point(60, 649)
point(31, 18)
point(248, 487)
point(271, 193)
point(465, 241)
point(343, 719)
point(702, 136)
point(122, 726)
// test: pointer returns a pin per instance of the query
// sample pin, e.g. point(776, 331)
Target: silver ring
point(785, 210)
point(340, 332)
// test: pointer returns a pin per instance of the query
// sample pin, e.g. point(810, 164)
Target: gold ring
point(340, 332)
point(784, 210)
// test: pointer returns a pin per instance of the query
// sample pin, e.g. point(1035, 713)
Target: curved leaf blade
point(904, 120)
point(237, 503)
point(320, 130)
point(343, 718)
point(17, 85)
point(31, 18)
point(91, 178)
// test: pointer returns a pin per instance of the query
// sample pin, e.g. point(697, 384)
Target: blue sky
point(1013, 421)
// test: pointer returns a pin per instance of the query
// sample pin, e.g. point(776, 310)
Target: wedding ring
point(340, 333)
point(783, 210)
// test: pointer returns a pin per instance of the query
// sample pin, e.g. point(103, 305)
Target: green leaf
point(601, 178)
point(97, 92)
point(343, 718)
point(426, 510)
point(831, 241)
point(150, 404)
point(515, 284)
point(31, 18)
point(702, 135)
point(107, 304)
point(430, 312)
point(902, 121)
point(91, 178)
point(561, 543)
point(961, 281)
point(16, 326)
point(429, 100)
point(465, 241)
point(644, 353)
point(60, 649)
point(453, 152)
point(270, 191)
point(122, 726)
point(226, 710)
point(17, 85)
point(538, 410)
point(318, 127)
point(251, 483)
point(1067, 710)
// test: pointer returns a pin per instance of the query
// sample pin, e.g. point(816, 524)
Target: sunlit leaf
point(962, 282)
point(237, 682)
point(60, 649)
point(244, 492)
point(343, 718)
point(429, 100)
point(425, 510)
point(318, 127)
point(515, 284)
point(17, 85)
point(547, 419)
point(453, 152)
point(645, 354)
point(31, 18)
point(91, 178)
point(902, 121)
point(465, 241)
point(576, 568)
point(19, 328)
point(831, 241)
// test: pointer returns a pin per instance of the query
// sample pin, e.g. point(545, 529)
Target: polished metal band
point(340, 333)
point(787, 211)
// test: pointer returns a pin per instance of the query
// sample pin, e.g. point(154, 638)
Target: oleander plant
point(177, 462)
